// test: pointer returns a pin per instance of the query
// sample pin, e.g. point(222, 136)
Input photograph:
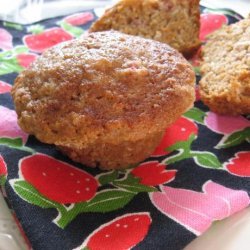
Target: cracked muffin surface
point(105, 91)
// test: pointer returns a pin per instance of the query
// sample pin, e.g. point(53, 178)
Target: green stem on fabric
point(13, 52)
point(26, 149)
point(102, 202)
point(74, 31)
point(184, 152)
point(13, 25)
point(201, 158)
point(3, 180)
point(6, 54)
point(66, 216)
point(16, 143)
point(178, 157)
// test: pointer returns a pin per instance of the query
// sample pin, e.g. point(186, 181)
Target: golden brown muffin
point(175, 22)
point(225, 83)
point(105, 99)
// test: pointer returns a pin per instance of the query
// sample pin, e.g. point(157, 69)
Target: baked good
point(225, 83)
point(175, 22)
point(103, 99)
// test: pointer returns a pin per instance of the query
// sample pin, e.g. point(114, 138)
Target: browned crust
point(225, 83)
point(103, 88)
point(173, 22)
point(230, 102)
point(109, 156)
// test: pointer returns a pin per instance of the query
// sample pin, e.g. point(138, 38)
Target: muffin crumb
point(225, 83)
point(173, 22)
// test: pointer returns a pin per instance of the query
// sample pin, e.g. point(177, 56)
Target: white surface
point(30, 11)
point(10, 237)
point(232, 233)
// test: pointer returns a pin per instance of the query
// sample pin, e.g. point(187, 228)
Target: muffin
point(225, 83)
point(173, 22)
point(105, 99)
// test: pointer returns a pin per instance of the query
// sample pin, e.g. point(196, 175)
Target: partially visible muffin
point(225, 83)
point(104, 99)
point(175, 22)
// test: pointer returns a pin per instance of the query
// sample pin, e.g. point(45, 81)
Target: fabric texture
point(198, 174)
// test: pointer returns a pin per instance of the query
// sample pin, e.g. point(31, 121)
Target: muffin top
point(106, 85)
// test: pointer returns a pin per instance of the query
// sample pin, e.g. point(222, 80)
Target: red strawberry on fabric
point(179, 131)
point(3, 171)
point(153, 173)
point(4, 87)
point(240, 164)
point(119, 234)
point(3, 167)
point(46, 39)
point(79, 18)
point(26, 59)
point(209, 23)
point(58, 181)
point(5, 40)
point(197, 93)
point(196, 58)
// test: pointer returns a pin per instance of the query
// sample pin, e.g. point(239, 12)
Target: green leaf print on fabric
point(206, 159)
point(196, 115)
point(15, 143)
point(35, 29)
point(104, 201)
point(11, 25)
point(9, 65)
point(108, 177)
point(132, 184)
point(28, 193)
point(9, 62)
point(107, 201)
point(49, 183)
point(75, 31)
point(234, 139)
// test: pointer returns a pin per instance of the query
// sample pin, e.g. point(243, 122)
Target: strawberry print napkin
point(198, 174)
